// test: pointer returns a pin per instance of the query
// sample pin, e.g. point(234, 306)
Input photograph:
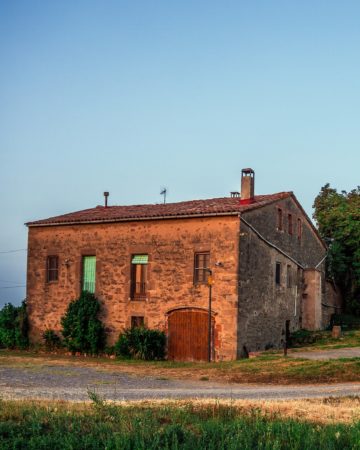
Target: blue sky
point(129, 96)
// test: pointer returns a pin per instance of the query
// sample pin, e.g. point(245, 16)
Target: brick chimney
point(247, 186)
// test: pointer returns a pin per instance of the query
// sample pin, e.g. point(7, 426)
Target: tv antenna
point(163, 191)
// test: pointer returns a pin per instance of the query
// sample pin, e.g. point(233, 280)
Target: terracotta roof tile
point(214, 206)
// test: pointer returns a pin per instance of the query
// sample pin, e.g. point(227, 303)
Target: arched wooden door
point(188, 335)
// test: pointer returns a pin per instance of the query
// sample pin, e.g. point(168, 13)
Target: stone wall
point(264, 306)
point(170, 245)
point(311, 300)
point(332, 304)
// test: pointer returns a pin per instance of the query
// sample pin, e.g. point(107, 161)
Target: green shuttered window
point(139, 259)
point(138, 288)
point(89, 273)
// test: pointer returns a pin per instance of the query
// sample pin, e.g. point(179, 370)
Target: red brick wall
point(170, 245)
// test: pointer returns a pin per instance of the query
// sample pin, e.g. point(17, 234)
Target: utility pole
point(210, 283)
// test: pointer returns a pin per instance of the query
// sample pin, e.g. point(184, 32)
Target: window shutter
point(140, 259)
point(89, 273)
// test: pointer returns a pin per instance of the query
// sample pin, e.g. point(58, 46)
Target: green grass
point(323, 340)
point(28, 425)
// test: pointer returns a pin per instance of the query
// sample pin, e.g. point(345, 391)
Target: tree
point(14, 326)
point(338, 219)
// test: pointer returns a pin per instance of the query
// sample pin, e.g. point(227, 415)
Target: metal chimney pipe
point(106, 195)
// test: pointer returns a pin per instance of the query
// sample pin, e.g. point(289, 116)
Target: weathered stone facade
point(254, 304)
point(264, 305)
point(170, 244)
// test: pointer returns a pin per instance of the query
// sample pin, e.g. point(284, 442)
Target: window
point(279, 219)
point(52, 268)
point(289, 276)
point(278, 273)
point(137, 321)
point(89, 274)
point(299, 229)
point(201, 264)
point(139, 264)
point(290, 224)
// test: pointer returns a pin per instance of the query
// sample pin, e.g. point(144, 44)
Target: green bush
point(346, 321)
point(14, 326)
point(51, 339)
point(303, 337)
point(82, 329)
point(141, 343)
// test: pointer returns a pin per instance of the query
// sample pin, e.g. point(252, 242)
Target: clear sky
point(129, 96)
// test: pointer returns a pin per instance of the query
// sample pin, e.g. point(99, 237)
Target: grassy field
point(324, 341)
point(266, 368)
point(177, 425)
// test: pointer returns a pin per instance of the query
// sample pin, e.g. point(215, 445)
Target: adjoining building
point(148, 265)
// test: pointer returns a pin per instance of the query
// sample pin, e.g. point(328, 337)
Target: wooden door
point(188, 335)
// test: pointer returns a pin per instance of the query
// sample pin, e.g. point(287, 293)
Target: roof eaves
point(131, 219)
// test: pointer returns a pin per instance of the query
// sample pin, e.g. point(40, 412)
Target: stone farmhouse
point(148, 265)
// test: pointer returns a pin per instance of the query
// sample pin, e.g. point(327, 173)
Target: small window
point(139, 265)
point(290, 224)
point(278, 274)
point(89, 274)
point(52, 268)
point(299, 229)
point(289, 276)
point(279, 219)
point(137, 321)
point(201, 264)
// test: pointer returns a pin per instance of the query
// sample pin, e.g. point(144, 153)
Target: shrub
point(51, 339)
point(141, 343)
point(14, 326)
point(302, 337)
point(346, 321)
point(82, 329)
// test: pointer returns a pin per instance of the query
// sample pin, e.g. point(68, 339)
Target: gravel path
point(353, 352)
point(73, 383)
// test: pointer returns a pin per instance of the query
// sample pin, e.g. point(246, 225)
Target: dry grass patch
point(267, 368)
point(330, 410)
point(323, 411)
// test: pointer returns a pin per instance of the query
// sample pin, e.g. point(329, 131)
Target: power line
point(13, 287)
point(14, 251)
point(9, 281)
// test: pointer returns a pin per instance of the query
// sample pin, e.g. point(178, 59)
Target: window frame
point(280, 219)
point(135, 319)
point(143, 294)
point(299, 229)
point(278, 273)
point(289, 276)
point(203, 269)
point(83, 258)
point(290, 224)
point(52, 270)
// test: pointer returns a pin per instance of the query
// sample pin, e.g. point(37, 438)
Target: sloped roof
point(193, 208)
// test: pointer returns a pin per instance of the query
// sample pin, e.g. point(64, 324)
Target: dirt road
point(73, 383)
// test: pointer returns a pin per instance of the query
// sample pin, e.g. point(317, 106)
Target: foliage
point(82, 329)
point(346, 321)
point(61, 426)
point(338, 218)
point(51, 339)
point(109, 350)
point(141, 343)
point(301, 337)
point(14, 326)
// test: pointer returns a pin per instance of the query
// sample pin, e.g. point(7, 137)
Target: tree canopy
point(338, 218)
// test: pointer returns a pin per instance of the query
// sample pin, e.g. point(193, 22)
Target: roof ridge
point(189, 208)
